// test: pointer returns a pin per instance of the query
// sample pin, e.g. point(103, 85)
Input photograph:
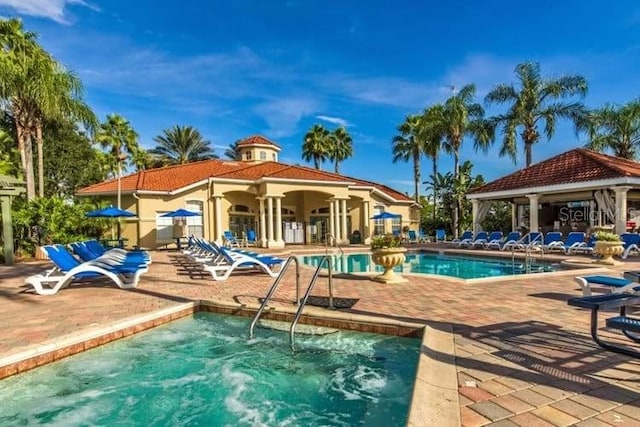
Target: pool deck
point(521, 355)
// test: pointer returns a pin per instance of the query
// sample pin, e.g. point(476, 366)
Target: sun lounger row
point(123, 268)
point(552, 241)
point(221, 261)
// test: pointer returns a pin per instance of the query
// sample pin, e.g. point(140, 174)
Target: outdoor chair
point(584, 248)
point(495, 238)
point(441, 235)
point(574, 240)
point(511, 239)
point(412, 237)
point(231, 261)
point(631, 244)
point(422, 238)
point(465, 239)
point(68, 270)
point(229, 239)
point(479, 240)
point(551, 240)
point(251, 238)
point(85, 252)
point(615, 284)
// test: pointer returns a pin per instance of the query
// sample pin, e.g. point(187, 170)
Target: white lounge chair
point(68, 270)
point(229, 261)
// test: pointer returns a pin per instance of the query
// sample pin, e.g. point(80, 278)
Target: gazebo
point(9, 187)
point(576, 190)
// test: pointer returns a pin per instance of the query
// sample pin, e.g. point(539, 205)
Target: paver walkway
point(523, 356)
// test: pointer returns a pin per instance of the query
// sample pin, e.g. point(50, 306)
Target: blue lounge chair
point(511, 239)
point(422, 238)
point(229, 239)
point(530, 239)
point(413, 238)
point(551, 240)
point(230, 261)
point(584, 248)
point(85, 252)
point(479, 240)
point(494, 238)
point(251, 238)
point(68, 270)
point(616, 284)
point(465, 239)
point(631, 244)
point(441, 235)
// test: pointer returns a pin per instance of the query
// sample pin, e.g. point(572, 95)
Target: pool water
point(462, 267)
point(203, 370)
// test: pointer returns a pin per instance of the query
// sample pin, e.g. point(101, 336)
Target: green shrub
point(385, 241)
point(606, 236)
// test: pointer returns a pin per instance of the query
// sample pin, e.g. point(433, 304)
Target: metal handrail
point(312, 283)
point(273, 288)
point(335, 243)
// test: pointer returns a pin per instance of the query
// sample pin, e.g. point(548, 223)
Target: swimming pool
point(203, 370)
point(462, 267)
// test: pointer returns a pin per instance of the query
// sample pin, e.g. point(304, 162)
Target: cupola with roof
point(257, 148)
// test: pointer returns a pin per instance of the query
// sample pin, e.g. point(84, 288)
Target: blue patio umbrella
point(180, 213)
point(386, 215)
point(110, 212)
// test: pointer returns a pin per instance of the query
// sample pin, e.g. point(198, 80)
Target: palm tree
point(233, 152)
point(140, 159)
point(409, 145)
point(182, 144)
point(433, 132)
point(342, 147)
point(463, 117)
point(535, 102)
point(117, 135)
point(614, 128)
point(316, 145)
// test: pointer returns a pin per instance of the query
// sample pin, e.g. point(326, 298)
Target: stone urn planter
point(389, 258)
point(607, 250)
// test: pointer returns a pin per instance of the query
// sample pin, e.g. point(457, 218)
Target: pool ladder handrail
point(528, 253)
point(312, 283)
point(274, 286)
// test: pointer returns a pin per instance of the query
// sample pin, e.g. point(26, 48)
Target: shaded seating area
point(69, 270)
point(627, 324)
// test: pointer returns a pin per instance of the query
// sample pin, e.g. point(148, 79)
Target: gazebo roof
point(569, 168)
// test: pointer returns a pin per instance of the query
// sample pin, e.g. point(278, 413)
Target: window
point(241, 208)
point(263, 155)
point(396, 225)
point(194, 223)
point(378, 224)
point(248, 155)
point(274, 157)
point(320, 211)
point(164, 228)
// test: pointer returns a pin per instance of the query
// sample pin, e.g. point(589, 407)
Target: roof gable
point(577, 165)
point(257, 140)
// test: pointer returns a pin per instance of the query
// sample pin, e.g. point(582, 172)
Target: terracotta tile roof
point(173, 178)
point(577, 165)
point(257, 140)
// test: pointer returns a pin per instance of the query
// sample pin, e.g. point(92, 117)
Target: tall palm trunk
point(416, 175)
point(528, 145)
point(316, 161)
point(337, 167)
point(435, 188)
point(40, 144)
point(458, 202)
point(26, 151)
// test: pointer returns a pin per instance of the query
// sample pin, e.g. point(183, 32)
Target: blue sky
point(236, 68)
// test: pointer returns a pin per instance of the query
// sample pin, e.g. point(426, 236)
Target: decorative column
point(343, 230)
point(217, 200)
point(592, 213)
point(474, 215)
point(366, 221)
point(621, 209)
point(514, 216)
point(7, 229)
point(332, 228)
point(270, 240)
point(533, 211)
point(263, 224)
point(279, 242)
point(336, 211)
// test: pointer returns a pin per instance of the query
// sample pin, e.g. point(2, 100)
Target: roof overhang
point(303, 181)
point(559, 188)
point(271, 146)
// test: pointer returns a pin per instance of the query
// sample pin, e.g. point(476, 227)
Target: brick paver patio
point(523, 357)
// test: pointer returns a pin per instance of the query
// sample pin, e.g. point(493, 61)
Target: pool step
point(301, 328)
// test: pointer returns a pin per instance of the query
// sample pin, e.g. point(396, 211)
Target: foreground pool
point(203, 370)
point(463, 267)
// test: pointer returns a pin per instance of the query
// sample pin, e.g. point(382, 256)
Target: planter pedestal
point(389, 258)
point(607, 250)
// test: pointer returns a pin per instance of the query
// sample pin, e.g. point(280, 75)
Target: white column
point(514, 216)
point(336, 211)
point(366, 223)
point(332, 228)
point(218, 219)
point(474, 215)
point(592, 213)
point(533, 211)
point(279, 241)
point(343, 230)
point(270, 240)
point(621, 209)
point(263, 225)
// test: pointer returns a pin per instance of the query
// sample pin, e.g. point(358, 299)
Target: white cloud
point(51, 9)
point(334, 120)
point(283, 114)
